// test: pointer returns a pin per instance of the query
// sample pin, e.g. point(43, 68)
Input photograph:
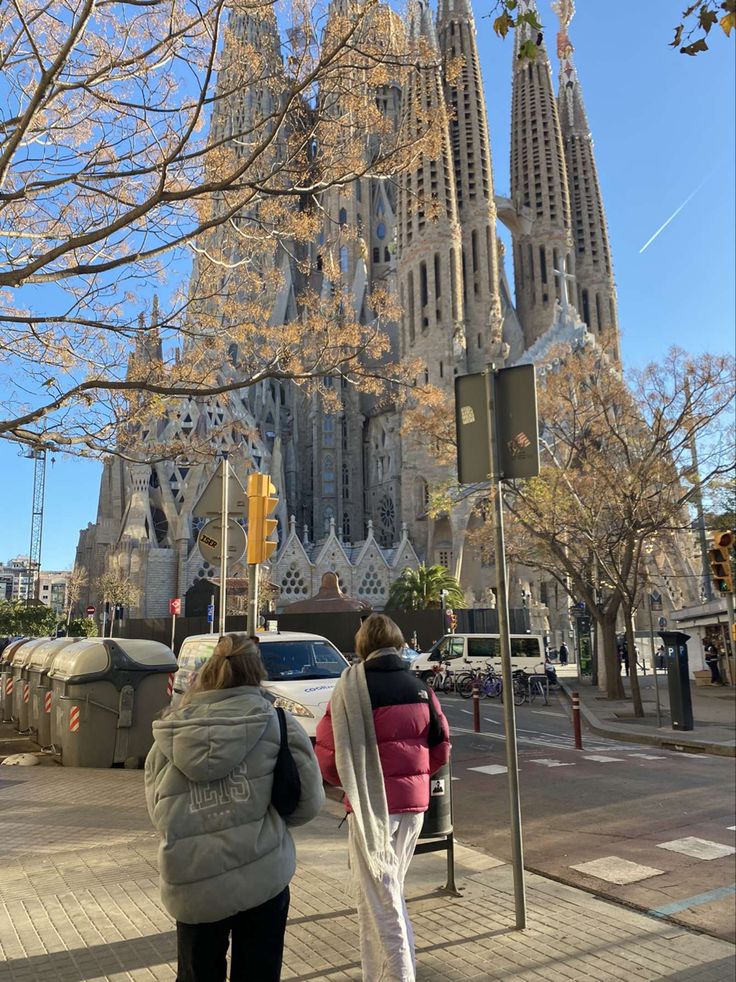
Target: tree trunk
point(614, 687)
point(633, 676)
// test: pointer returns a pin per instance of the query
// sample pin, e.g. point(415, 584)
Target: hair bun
point(224, 646)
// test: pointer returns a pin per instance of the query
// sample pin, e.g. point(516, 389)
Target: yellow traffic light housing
point(262, 501)
point(719, 558)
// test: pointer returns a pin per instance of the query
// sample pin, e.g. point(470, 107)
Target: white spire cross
point(564, 278)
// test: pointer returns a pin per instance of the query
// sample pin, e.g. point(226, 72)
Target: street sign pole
point(654, 663)
point(253, 584)
point(731, 636)
point(173, 630)
point(502, 605)
point(223, 540)
point(211, 614)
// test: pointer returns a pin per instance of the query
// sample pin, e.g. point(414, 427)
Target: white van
point(303, 669)
point(475, 650)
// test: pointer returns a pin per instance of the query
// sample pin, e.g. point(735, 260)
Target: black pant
point(715, 675)
point(257, 945)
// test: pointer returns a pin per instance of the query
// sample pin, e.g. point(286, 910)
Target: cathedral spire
point(474, 181)
point(596, 291)
point(538, 185)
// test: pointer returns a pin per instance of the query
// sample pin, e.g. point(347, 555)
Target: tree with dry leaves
point(115, 588)
point(616, 481)
point(75, 584)
point(184, 147)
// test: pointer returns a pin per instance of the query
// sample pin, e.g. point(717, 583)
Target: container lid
point(23, 655)
point(9, 654)
point(43, 655)
point(97, 657)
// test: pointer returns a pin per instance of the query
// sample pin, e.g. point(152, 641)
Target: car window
point(483, 648)
point(194, 654)
point(286, 660)
point(457, 648)
point(525, 648)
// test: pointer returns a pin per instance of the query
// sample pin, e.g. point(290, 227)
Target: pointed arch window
point(343, 259)
point(342, 217)
point(328, 475)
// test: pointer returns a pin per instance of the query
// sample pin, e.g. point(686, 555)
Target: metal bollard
point(476, 707)
point(576, 721)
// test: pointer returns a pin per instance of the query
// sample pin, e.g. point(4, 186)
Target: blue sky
point(663, 124)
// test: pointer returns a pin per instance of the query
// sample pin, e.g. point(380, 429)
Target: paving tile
point(698, 848)
point(614, 869)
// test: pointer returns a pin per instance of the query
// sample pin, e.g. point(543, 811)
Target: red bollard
point(576, 721)
point(476, 707)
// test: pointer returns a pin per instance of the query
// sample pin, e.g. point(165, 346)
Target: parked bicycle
point(488, 681)
point(442, 678)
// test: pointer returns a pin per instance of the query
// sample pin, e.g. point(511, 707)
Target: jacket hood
point(214, 732)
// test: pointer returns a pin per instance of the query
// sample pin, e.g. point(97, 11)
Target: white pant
point(386, 935)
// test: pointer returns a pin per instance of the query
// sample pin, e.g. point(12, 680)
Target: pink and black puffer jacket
point(412, 742)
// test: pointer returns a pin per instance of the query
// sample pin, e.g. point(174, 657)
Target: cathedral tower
point(474, 183)
point(539, 184)
point(596, 291)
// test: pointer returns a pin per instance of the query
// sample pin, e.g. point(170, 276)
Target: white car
point(303, 669)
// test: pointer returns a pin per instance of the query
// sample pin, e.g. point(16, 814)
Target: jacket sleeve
point(155, 761)
point(325, 750)
point(439, 754)
point(313, 795)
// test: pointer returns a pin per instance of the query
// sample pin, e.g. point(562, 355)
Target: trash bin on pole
point(39, 711)
point(6, 678)
point(437, 834)
point(106, 694)
point(21, 688)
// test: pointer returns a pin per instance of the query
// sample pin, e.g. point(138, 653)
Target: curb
point(675, 741)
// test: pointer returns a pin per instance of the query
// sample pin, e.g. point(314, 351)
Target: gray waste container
point(39, 707)
point(106, 694)
point(6, 678)
point(21, 689)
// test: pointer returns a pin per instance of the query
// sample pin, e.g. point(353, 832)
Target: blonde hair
point(377, 631)
point(235, 661)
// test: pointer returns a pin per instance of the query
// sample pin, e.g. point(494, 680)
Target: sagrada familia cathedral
point(354, 486)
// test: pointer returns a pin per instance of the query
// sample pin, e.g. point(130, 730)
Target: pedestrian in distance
point(227, 857)
point(563, 653)
point(382, 738)
point(711, 660)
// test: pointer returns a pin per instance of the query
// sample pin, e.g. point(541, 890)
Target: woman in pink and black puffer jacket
point(383, 736)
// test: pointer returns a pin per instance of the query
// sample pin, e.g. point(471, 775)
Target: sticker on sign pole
point(437, 787)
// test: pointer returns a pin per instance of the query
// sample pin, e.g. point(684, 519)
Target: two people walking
point(227, 856)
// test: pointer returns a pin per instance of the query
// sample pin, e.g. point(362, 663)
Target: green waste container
point(39, 711)
point(106, 694)
point(21, 688)
point(6, 678)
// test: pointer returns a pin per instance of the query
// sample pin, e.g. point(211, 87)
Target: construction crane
point(33, 586)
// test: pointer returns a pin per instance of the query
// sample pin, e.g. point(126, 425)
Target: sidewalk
point(714, 715)
point(79, 901)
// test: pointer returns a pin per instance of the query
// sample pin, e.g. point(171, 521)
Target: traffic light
point(720, 561)
point(261, 503)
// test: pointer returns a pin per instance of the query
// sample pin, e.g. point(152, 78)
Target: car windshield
point(301, 660)
point(194, 653)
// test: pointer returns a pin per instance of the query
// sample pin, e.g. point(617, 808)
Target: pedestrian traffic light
point(261, 503)
point(719, 558)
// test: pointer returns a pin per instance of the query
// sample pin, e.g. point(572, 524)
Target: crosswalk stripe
point(546, 762)
point(490, 769)
point(601, 759)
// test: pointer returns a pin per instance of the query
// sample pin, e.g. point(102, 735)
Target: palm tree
point(420, 588)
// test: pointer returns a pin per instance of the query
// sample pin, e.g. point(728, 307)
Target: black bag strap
point(284, 739)
point(434, 734)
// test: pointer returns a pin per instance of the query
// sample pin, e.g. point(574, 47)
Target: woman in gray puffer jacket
point(226, 856)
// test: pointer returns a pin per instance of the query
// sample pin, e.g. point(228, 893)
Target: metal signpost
point(497, 440)
point(222, 500)
point(655, 603)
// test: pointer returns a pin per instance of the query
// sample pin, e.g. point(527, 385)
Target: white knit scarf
point(359, 768)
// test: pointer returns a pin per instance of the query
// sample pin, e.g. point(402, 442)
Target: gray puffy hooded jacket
point(224, 849)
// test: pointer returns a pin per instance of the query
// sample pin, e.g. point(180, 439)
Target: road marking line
point(486, 720)
point(697, 848)
point(490, 769)
point(546, 712)
point(468, 711)
point(649, 756)
point(700, 898)
point(601, 759)
point(546, 762)
point(613, 869)
point(732, 828)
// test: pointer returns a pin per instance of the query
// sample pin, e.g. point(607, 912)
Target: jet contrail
point(673, 216)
